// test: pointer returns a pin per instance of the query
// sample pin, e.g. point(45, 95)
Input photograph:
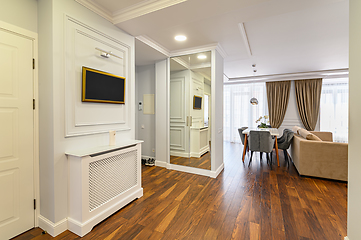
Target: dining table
point(273, 131)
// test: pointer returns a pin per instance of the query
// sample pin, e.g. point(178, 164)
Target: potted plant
point(263, 121)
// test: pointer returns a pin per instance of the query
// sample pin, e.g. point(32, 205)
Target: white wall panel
point(84, 118)
point(177, 141)
point(177, 100)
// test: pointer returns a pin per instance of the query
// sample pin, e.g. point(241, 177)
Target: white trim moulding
point(153, 44)
point(91, 5)
point(130, 12)
point(143, 8)
point(53, 229)
point(242, 29)
point(325, 74)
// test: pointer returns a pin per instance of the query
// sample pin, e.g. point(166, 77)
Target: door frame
point(21, 32)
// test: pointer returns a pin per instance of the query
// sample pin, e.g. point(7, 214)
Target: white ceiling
point(285, 36)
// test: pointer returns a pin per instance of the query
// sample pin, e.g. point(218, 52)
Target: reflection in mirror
point(190, 110)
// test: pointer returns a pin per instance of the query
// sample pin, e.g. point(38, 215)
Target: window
point(238, 111)
point(334, 108)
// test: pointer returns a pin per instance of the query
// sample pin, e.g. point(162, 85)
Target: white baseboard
point(192, 170)
point(200, 153)
point(214, 174)
point(179, 154)
point(161, 164)
point(53, 229)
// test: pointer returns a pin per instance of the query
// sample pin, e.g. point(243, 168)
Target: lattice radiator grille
point(110, 177)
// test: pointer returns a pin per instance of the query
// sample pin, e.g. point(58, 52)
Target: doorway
point(17, 127)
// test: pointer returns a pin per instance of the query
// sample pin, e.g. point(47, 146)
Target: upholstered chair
point(284, 141)
point(242, 136)
point(260, 141)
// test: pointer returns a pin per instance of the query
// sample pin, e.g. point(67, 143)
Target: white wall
point(59, 84)
point(354, 142)
point(145, 84)
point(46, 119)
point(217, 111)
point(21, 13)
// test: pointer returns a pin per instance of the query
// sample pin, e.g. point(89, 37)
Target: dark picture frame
point(102, 87)
point(197, 102)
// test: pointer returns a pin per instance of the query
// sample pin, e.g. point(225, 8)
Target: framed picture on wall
point(102, 87)
point(197, 102)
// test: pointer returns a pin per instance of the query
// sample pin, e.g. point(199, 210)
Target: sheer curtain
point(238, 111)
point(334, 108)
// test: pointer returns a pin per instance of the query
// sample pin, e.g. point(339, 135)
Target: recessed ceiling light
point(202, 56)
point(180, 38)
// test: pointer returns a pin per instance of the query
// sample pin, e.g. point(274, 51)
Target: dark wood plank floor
point(204, 162)
point(242, 203)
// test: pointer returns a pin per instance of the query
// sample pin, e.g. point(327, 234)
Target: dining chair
point(284, 141)
point(260, 141)
point(241, 135)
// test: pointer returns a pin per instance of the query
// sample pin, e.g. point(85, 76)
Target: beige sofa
point(324, 159)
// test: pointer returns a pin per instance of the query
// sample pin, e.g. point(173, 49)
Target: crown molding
point(203, 65)
point(325, 74)
point(150, 42)
point(188, 51)
point(143, 8)
point(153, 44)
point(131, 12)
point(93, 6)
point(221, 51)
point(181, 62)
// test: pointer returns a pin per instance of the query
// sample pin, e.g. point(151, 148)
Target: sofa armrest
point(325, 136)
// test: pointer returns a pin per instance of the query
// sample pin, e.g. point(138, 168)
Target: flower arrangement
point(263, 121)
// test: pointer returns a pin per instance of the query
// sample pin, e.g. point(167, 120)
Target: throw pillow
point(295, 129)
point(303, 132)
point(312, 136)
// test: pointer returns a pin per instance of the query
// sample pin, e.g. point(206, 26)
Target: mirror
point(190, 99)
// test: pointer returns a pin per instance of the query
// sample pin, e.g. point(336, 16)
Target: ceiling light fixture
point(180, 38)
point(254, 101)
point(202, 56)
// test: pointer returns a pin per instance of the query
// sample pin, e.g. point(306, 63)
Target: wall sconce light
point(254, 101)
point(106, 54)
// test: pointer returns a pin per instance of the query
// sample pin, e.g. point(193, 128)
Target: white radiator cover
point(101, 183)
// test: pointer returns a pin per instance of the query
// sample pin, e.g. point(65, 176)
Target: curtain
point(238, 111)
point(277, 97)
point(308, 93)
point(334, 108)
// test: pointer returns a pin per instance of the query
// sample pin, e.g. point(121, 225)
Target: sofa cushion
point(295, 129)
point(312, 136)
point(309, 136)
point(303, 132)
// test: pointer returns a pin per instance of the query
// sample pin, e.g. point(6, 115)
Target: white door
point(179, 114)
point(16, 135)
